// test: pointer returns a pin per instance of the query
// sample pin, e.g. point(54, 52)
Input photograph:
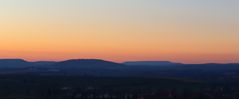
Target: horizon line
point(111, 60)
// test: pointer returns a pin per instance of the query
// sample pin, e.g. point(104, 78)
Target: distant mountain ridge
point(13, 63)
point(87, 63)
point(150, 63)
point(21, 63)
point(91, 62)
point(98, 67)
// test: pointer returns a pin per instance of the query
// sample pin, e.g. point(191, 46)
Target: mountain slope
point(14, 63)
point(149, 63)
point(87, 63)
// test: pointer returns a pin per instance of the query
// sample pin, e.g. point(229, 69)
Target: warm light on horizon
point(187, 31)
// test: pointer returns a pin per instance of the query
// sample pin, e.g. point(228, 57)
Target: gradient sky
point(188, 31)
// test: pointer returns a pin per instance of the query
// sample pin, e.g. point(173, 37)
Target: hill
point(149, 63)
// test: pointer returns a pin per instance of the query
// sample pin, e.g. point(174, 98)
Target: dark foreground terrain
point(85, 87)
point(99, 79)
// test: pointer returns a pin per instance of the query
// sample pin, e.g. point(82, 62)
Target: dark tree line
point(78, 87)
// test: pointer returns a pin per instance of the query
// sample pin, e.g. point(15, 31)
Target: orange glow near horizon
point(120, 30)
point(98, 42)
point(121, 57)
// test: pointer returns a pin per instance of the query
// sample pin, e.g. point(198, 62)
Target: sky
point(186, 31)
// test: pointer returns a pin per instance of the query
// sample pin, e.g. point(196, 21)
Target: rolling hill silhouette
point(150, 63)
point(98, 67)
point(14, 63)
point(87, 63)
point(20, 63)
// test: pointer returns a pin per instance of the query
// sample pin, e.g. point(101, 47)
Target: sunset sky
point(187, 31)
